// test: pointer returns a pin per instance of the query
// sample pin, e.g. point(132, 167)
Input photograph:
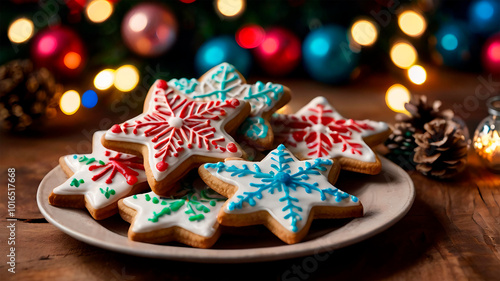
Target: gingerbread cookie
point(98, 180)
point(281, 192)
point(223, 82)
point(190, 217)
point(318, 130)
point(176, 134)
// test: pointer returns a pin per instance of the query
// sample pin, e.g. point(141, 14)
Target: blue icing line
point(254, 128)
point(184, 85)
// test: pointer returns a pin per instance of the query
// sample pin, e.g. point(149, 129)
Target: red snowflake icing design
point(321, 131)
point(118, 164)
point(176, 120)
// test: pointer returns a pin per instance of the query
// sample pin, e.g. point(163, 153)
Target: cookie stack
point(180, 169)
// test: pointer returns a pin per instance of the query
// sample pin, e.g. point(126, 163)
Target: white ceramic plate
point(386, 198)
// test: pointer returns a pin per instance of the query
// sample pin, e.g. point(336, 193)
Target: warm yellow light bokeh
point(69, 102)
point(230, 8)
point(126, 78)
point(417, 74)
point(364, 32)
point(403, 55)
point(99, 10)
point(396, 97)
point(104, 79)
point(412, 23)
point(20, 30)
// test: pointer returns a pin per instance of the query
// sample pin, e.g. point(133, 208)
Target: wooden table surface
point(452, 231)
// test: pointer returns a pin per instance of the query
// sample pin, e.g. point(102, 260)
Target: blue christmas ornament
point(222, 49)
point(453, 44)
point(327, 55)
point(484, 16)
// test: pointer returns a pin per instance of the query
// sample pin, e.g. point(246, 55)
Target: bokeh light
point(89, 99)
point(250, 36)
point(270, 45)
point(138, 22)
point(396, 97)
point(417, 74)
point(403, 55)
point(230, 8)
point(20, 30)
point(47, 45)
point(69, 102)
point(104, 79)
point(126, 78)
point(364, 32)
point(99, 10)
point(449, 42)
point(493, 51)
point(72, 60)
point(412, 23)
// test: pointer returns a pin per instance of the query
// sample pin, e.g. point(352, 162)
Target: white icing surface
point(158, 100)
point(271, 202)
point(234, 88)
point(146, 209)
point(92, 189)
point(302, 148)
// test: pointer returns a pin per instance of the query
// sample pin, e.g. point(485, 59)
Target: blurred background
point(66, 58)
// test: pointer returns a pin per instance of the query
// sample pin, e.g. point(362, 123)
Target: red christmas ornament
point(279, 53)
point(491, 54)
point(60, 50)
point(149, 29)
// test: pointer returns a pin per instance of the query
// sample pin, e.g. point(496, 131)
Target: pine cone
point(442, 149)
point(401, 145)
point(423, 112)
point(26, 95)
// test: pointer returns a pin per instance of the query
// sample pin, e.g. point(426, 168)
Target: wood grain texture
point(452, 232)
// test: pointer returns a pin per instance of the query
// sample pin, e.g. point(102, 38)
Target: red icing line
point(161, 166)
point(231, 147)
point(117, 164)
point(162, 84)
point(116, 129)
point(299, 129)
point(196, 129)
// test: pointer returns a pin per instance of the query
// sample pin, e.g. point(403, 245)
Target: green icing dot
point(155, 200)
point(148, 198)
point(135, 196)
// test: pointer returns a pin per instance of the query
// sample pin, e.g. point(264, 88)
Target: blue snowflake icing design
point(282, 180)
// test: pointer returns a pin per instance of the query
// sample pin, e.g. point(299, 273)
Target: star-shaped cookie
point(176, 134)
point(281, 192)
point(318, 130)
point(189, 217)
point(223, 82)
point(98, 180)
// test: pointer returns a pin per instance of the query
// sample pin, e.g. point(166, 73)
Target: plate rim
point(315, 246)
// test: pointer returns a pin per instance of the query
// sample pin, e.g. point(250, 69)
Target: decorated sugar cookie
point(190, 217)
point(318, 130)
point(176, 134)
point(223, 82)
point(98, 180)
point(281, 192)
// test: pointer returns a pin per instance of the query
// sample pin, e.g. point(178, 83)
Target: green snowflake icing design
point(193, 203)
